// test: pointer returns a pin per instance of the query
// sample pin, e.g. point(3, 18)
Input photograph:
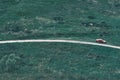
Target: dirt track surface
point(58, 41)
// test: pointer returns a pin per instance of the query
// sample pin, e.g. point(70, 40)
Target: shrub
point(10, 1)
point(9, 63)
point(13, 27)
point(59, 19)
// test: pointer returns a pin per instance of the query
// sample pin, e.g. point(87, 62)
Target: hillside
point(84, 20)
point(78, 19)
point(56, 61)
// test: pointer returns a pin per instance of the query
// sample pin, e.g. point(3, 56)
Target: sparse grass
point(60, 19)
point(83, 20)
point(63, 61)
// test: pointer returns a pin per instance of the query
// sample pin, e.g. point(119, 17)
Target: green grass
point(28, 19)
point(56, 61)
point(59, 19)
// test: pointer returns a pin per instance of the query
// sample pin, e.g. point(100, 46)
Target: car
point(100, 41)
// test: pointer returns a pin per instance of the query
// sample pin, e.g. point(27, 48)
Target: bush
point(59, 19)
point(10, 1)
point(10, 63)
point(13, 27)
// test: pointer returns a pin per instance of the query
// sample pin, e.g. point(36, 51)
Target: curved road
point(58, 41)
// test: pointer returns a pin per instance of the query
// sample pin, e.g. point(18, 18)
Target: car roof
point(99, 39)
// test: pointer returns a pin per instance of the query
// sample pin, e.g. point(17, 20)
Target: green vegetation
point(58, 61)
point(83, 20)
point(78, 19)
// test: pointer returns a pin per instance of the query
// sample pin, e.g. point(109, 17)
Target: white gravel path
point(58, 41)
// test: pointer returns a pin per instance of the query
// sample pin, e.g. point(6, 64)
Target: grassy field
point(58, 61)
point(83, 20)
point(78, 19)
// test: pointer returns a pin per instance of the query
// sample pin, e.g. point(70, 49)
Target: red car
point(100, 41)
